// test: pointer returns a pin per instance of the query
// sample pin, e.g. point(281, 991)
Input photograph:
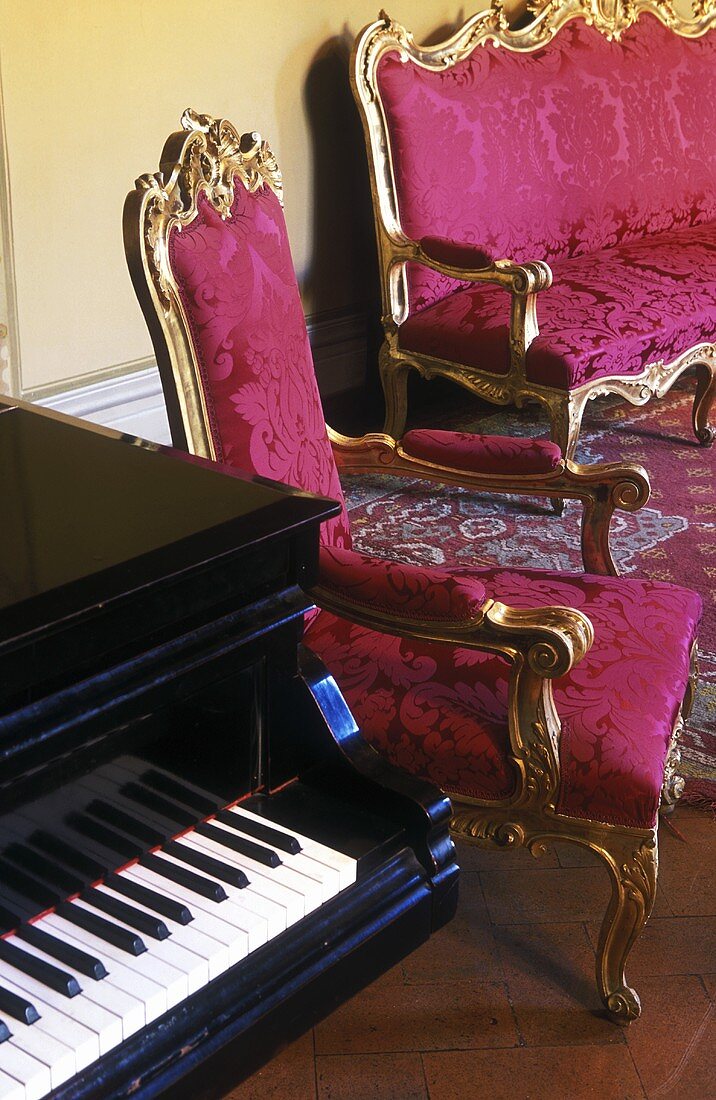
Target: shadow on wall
point(342, 277)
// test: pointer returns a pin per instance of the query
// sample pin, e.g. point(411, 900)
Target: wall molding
point(130, 399)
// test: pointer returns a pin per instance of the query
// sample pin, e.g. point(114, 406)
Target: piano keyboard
point(104, 956)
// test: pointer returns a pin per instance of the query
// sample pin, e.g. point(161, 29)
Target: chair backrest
point(578, 131)
point(209, 257)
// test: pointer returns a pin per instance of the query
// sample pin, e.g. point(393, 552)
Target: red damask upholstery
point(492, 152)
point(443, 713)
point(606, 313)
point(435, 710)
point(483, 454)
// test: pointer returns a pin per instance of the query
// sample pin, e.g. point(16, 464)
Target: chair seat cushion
point(607, 313)
point(441, 711)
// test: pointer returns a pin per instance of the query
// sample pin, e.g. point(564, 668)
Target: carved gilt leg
point(703, 400)
point(565, 415)
point(673, 785)
point(394, 379)
point(633, 863)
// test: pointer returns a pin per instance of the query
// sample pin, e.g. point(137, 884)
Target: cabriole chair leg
point(632, 861)
point(703, 400)
point(394, 379)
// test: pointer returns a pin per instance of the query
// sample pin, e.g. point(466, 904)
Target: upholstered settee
point(545, 204)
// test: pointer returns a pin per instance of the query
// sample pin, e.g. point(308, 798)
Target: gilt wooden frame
point(524, 281)
point(209, 156)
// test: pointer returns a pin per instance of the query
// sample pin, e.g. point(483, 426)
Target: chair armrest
point(411, 602)
point(602, 487)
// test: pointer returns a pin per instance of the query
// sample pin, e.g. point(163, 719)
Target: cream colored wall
point(91, 90)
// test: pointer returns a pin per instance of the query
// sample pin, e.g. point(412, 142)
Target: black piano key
point(158, 903)
point(42, 971)
point(43, 868)
point(143, 922)
point(104, 929)
point(36, 894)
point(17, 1007)
point(175, 789)
point(93, 829)
point(143, 796)
point(197, 883)
point(233, 875)
point(239, 844)
point(112, 815)
point(283, 841)
point(8, 920)
point(5, 1032)
point(72, 857)
point(63, 952)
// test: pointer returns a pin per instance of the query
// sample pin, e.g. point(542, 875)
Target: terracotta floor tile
point(549, 970)
point(290, 1075)
point(673, 1041)
point(371, 1077)
point(464, 948)
point(670, 945)
point(596, 1073)
point(471, 857)
point(537, 896)
point(687, 872)
point(420, 1017)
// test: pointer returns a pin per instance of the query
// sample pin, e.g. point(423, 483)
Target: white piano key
point(311, 889)
point(272, 911)
point(229, 911)
point(32, 1074)
point(80, 1039)
point(107, 1027)
point(170, 978)
point(260, 881)
point(10, 1089)
point(57, 1056)
point(345, 865)
point(214, 953)
point(150, 993)
point(128, 1008)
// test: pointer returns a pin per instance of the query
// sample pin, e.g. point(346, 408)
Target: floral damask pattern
point(442, 711)
point(239, 292)
point(486, 454)
point(608, 313)
point(492, 152)
point(435, 710)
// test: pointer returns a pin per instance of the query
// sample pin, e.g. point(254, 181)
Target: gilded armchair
point(480, 148)
point(547, 705)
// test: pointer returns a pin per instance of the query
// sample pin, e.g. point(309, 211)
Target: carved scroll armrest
point(602, 487)
point(403, 600)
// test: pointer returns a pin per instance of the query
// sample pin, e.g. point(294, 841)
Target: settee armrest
point(496, 464)
point(470, 263)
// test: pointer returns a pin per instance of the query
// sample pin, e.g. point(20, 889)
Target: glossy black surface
point(161, 687)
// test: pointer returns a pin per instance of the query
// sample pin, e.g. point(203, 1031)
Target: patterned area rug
point(672, 538)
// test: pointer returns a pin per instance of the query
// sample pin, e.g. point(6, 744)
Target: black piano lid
point(88, 514)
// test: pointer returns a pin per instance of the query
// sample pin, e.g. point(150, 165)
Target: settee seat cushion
point(607, 313)
point(441, 711)
point(483, 454)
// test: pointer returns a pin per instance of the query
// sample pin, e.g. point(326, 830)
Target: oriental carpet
point(672, 538)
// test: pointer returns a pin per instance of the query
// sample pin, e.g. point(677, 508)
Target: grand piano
point(199, 856)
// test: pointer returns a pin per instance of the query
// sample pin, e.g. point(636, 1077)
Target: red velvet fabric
point(416, 592)
point(434, 710)
point(575, 147)
point(442, 712)
point(484, 454)
point(239, 292)
point(607, 313)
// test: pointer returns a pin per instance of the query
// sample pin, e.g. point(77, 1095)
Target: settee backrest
point(569, 148)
